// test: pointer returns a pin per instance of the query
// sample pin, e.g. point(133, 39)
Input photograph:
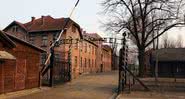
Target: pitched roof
point(92, 35)
point(6, 40)
point(169, 54)
point(18, 23)
point(46, 23)
point(89, 38)
point(10, 39)
point(6, 55)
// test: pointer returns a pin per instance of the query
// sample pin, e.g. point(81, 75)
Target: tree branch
point(166, 29)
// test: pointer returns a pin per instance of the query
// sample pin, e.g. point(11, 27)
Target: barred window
point(92, 49)
point(89, 49)
point(95, 62)
point(76, 46)
point(44, 40)
point(81, 47)
point(85, 47)
point(89, 63)
point(15, 29)
point(55, 36)
point(31, 38)
point(75, 61)
point(57, 57)
point(81, 61)
point(43, 58)
point(85, 62)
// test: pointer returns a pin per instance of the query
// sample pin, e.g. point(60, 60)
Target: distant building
point(171, 62)
point(103, 52)
point(107, 58)
point(19, 64)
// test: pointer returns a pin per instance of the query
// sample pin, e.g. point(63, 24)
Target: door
point(9, 74)
point(101, 68)
point(20, 74)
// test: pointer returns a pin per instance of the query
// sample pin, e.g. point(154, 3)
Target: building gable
point(17, 29)
point(15, 23)
point(48, 23)
point(6, 41)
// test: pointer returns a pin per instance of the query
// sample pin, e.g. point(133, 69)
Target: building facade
point(106, 58)
point(20, 69)
point(170, 62)
point(85, 54)
point(103, 52)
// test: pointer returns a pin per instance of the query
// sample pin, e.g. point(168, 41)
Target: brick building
point(103, 52)
point(19, 64)
point(107, 58)
point(42, 31)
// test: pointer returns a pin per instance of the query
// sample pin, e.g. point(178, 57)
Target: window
point(31, 38)
point(76, 46)
point(95, 50)
point(89, 49)
point(43, 58)
point(95, 63)
point(54, 36)
point(85, 62)
point(44, 40)
point(57, 57)
point(89, 63)
point(92, 49)
point(85, 47)
point(75, 61)
point(81, 61)
point(15, 29)
point(81, 48)
point(73, 29)
point(92, 63)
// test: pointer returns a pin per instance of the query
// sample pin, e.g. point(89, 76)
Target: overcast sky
point(86, 14)
point(22, 11)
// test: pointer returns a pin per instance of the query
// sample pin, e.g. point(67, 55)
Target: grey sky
point(23, 10)
point(85, 14)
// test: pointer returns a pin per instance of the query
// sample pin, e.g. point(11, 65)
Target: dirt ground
point(90, 86)
point(165, 88)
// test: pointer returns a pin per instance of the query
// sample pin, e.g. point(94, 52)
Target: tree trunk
point(141, 61)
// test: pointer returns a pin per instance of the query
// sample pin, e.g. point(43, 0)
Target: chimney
point(32, 19)
point(42, 19)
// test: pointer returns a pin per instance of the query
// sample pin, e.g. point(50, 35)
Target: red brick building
point(103, 52)
point(42, 31)
point(85, 54)
point(19, 69)
point(107, 58)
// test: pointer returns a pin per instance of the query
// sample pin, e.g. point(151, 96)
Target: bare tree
point(166, 43)
point(171, 43)
point(142, 18)
point(179, 43)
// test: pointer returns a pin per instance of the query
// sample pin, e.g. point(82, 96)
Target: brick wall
point(93, 56)
point(24, 72)
point(17, 31)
